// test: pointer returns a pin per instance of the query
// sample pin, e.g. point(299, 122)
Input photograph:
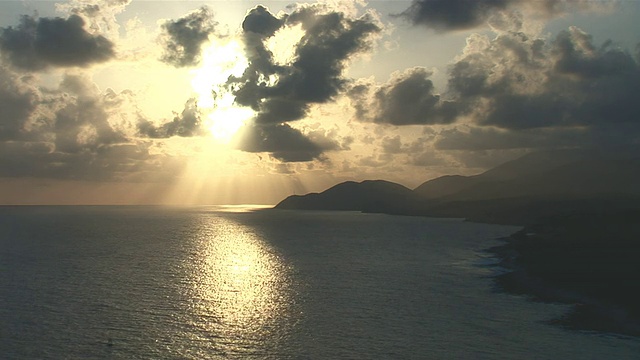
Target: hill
point(554, 174)
point(538, 185)
point(518, 192)
point(369, 196)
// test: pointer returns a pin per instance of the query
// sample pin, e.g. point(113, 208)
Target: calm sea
point(214, 282)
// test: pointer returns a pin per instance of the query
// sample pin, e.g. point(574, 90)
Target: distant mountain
point(528, 165)
point(369, 196)
point(559, 174)
point(518, 192)
point(524, 167)
point(446, 185)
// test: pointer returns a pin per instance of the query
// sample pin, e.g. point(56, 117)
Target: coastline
point(589, 261)
point(581, 252)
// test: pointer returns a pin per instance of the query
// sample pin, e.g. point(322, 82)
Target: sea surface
point(233, 283)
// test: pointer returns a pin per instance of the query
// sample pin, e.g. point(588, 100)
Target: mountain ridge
point(516, 192)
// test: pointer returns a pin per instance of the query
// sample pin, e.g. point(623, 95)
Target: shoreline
point(588, 261)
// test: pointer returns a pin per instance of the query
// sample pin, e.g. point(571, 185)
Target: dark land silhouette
point(590, 260)
point(580, 212)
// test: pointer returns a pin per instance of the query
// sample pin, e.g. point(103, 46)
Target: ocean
point(236, 283)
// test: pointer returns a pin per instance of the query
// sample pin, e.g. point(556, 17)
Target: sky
point(246, 102)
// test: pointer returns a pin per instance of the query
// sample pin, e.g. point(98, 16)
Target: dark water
point(200, 283)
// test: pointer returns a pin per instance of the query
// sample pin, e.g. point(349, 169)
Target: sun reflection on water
point(239, 293)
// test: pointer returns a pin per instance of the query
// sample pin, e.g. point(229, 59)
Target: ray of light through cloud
point(189, 95)
point(220, 61)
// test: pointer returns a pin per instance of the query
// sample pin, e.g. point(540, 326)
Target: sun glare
point(283, 44)
point(225, 119)
point(219, 61)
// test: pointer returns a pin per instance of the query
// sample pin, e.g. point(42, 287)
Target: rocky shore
point(591, 261)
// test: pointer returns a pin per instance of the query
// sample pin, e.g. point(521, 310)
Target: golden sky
point(230, 102)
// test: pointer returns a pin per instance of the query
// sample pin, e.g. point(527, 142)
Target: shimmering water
point(210, 282)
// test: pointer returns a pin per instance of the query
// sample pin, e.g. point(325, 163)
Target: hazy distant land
point(581, 216)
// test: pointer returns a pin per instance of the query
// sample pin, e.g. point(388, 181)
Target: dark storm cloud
point(38, 43)
point(182, 39)
point(407, 99)
point(447, 15)
point(281, 93)
point(281, 140)
point(187, 123)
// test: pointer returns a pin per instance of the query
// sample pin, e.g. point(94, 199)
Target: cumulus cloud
point(187, 123)
point(447, 15)
point(183, 38)
point(516, 91)
point(81, 122)
point(518, 82)
point(281, 140)
point(315, 76)
point(39, 43)
point(99, 14)
point(523, 92)
point(17, 101)
point(282, 93)
point(262, 22)
point(408, 98)
point(73, 131)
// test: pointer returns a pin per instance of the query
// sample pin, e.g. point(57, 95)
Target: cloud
point(519, 82)
point(81, 122)
point(448, 15)
point(314, 76)
point(452, 14)
point(186, 124)
point(182, 39)
point(474, 138)
point(74, 131)
point(281, 140)
point(17, 101)
point(392, 145)
point(117, 162)
point(100, 15)
point(260, 21)
point(515, 92)
point(39, 43)
point(408, 98)
point(282, 93)
point(528, 93)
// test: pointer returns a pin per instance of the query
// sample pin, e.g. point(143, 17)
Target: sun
point(219, 61)
point(226, 119)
